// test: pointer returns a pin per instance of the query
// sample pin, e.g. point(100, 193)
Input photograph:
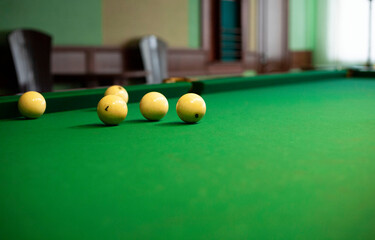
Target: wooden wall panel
point(185, 62)
point(110, 61)
point(302, 59)
point(107, 61)
point(69, 61)
point(225, 68)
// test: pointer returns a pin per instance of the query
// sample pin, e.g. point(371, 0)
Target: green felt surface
point(280, 162)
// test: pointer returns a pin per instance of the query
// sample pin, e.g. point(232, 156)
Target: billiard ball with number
point(118, 91)
point(191, 108)
point(112, 110)
point(32, 104)
point(154, 106)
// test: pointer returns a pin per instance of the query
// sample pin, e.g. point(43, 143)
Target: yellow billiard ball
point(154, 106)
point(191, 108)
point(118, 91)
point(112, 110)
point(32, 104)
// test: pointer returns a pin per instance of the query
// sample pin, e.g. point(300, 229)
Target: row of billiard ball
point(112, 109)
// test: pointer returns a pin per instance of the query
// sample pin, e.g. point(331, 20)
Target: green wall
point(302, 24)
point(194, 23)
point(70, 22)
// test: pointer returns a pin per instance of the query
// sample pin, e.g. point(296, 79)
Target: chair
point(8, 77)
point(154, 57)
point(31, 53)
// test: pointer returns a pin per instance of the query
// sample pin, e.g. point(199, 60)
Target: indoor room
point(187, 119)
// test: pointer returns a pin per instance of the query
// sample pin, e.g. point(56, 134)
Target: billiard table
point(285, 156)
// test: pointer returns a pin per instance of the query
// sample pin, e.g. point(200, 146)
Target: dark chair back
point(8, 77)
point(154, 56)
point(31, 52)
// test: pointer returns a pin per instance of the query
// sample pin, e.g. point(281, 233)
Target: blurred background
point(97, 43)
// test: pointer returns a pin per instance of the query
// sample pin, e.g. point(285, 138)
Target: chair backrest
point(154, 57)
point(31, 52)
point(8, 77)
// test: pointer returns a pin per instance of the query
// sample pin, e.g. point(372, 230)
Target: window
point(230, 31)
point(223, 31)
point(347, 32)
